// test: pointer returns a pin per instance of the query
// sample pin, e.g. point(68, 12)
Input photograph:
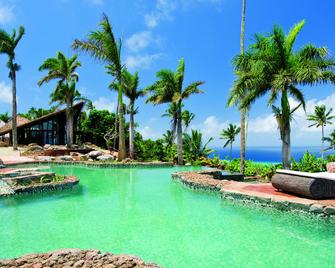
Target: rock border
point(99, 164)
point(76, 258)
point(200, 181)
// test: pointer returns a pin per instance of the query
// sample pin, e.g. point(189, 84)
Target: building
point(48, 129)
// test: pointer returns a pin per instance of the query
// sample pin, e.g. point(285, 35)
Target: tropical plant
point(168, 137)
point(131, 91)
point(169, 89)
point(4, 117)
point(331, 141)
point(63, 70)
point(8, 44)
point(229, 134)
point(102, 45)
point(34, 113)
point(271, 65)
point(194, 147)
point(321, 118)
point(172, 112)
point(187, 118)
point(309, 163)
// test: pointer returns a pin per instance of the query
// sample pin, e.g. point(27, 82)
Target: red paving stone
point(266, 189)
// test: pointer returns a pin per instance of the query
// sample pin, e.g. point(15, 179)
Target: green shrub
point(309, 163)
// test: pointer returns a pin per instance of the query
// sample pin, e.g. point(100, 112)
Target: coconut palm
point(131, 91)
point(229, 134)
point(4, 117)
point(8, 44)
point(168, 138)
point(272, 66)
point(331, 141)
point(169, 89)
point(172, 112)
point(63, 70)
point(321, 118)
point(194, 146)
point(102, 45)
point(187, 118)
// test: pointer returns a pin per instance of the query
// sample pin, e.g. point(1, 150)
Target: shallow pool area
point(141, 211)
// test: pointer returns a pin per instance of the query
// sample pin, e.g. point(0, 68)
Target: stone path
point(9, 156)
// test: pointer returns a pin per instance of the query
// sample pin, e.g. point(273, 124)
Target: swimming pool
point(141, 211)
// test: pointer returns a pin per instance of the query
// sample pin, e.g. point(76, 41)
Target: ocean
point(267, 154)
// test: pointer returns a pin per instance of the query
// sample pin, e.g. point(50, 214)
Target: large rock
point(84, 157)
point(65, 158)
point(76, 258)
point(105, 157)
point(94, 154)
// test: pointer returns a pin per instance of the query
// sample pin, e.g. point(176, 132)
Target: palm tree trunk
point(286, 146)
point(69, 125)
point(131, 133)
point(122, 140)
point(322, 146)
point(242, 133)
point(231, 151)
point(180, 135)
point(14, 110)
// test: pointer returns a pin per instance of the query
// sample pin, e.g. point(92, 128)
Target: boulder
point(316, 208)
point(83, 157)
point(94, 154)
point(43, 158)
point(46, 146)
point(105, 157)
point(65, 158)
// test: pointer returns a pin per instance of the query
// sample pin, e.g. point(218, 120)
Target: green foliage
point(4, 117)
point(34, 113)
point(194, 148)
point(149, 150)
point(309, 163)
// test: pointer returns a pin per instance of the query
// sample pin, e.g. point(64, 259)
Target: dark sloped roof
point(24, 122)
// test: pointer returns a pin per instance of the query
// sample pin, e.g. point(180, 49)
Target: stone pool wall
point(76, 258)
point(101, 164)
point(263, 194)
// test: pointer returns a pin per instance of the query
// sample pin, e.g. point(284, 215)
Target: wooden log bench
point(319, 185)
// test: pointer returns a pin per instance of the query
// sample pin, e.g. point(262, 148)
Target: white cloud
point(142, 61)
point(6, 13)
point(263, 124)
point(148, 133)
point(163, 11)
point(139, 41)
point(104, 104)
point(5, 93)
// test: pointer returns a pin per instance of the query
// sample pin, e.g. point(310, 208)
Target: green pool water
point(144, 213)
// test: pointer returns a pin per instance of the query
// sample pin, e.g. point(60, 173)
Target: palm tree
point(102, 45)
point(131, 91)
point(271, 65)
point(8, 44)
point(229, 134)
point(63, 70)
point(187, 118)
point(331, 141)
point(172, 112)
point(321, 118)
point(194, 145)
point(168, 138)
point(169, 89)
point(4, 118)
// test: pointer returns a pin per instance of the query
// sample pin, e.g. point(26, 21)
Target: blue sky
point(156, 34)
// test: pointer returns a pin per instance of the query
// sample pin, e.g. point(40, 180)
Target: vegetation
point(169, 89)
point(229, 135)
point(271, 66)
point(321, 118)
point(8, 44)
point(34, 113)
point(63, 70)
point(331, 141)
point(194, 148)
point(102, 45)
point(4, 117)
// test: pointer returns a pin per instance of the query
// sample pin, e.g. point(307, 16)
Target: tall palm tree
point(168, 138)
point(187, 118)
point(4, 117)
point(272, 66)
point(229, 134)
point(321, 118)
point(172, 112)
point(8, 44)
point(131, 91)
point(103, 46)
point(194, 145)
point(169, 89)
point(331, 141)
point(63, 70)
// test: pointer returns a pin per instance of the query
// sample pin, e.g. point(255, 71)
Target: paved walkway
point(8, 156)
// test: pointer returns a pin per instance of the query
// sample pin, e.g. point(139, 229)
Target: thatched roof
point(24, 122)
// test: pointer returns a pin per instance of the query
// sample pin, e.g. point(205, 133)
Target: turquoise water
point(143, 212)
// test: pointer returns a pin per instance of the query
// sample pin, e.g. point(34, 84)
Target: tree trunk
point(180, 134)
point(231, 151)
point(323, 142)
point(122, 139)
point(242, 132)
point(69, 125)
point(131, 133)
point(14, 110)
point(286, 146)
